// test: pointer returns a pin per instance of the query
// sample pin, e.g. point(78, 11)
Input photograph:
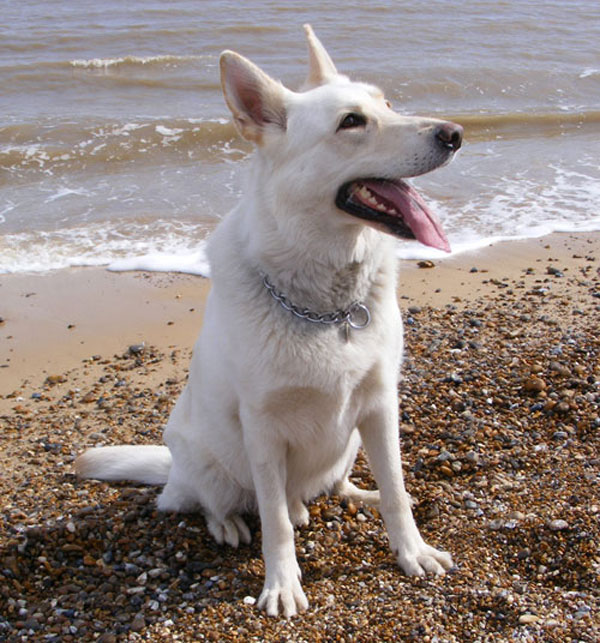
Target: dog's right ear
point(254, 98)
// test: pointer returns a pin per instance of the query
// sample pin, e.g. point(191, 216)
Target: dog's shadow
point(119, 555)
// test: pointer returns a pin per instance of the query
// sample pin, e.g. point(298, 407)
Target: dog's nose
point(450, 135)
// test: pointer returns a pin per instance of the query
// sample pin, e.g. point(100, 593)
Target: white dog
point(283, 387)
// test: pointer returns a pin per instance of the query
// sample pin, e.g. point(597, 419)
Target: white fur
point(275, 407)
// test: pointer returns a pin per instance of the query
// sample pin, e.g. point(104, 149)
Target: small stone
point(534, 385)
point(137, 349)
point(107, 638)
point(444, 456)
point(561, 369)
point(472, 457)
point(558, 525)
point(52, 380)
point(426, 264)
point(516, 515)
point(528, 619)
point(249, 600)
point(138, 623)
point(31, 624)
point(446, 470)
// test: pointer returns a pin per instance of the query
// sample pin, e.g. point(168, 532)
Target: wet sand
point(500, 420)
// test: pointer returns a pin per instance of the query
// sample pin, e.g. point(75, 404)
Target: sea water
point(116, 146)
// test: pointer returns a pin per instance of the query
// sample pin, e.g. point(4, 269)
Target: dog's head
point(337, 147)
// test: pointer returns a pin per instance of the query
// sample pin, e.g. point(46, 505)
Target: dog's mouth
point(395, 207)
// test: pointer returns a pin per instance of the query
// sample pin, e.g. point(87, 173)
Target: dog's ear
point(320, 66)
point(254, 98)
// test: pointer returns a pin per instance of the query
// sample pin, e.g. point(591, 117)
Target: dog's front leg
point(267, 456)
point(379, 433)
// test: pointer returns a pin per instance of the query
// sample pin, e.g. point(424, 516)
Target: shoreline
point(52, 321)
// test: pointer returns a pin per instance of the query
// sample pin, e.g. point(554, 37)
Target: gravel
point(499, 427)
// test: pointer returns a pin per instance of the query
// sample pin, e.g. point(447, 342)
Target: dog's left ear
point(320, 66)
point(254, 98)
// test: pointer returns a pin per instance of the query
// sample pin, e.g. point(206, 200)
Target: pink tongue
point(417, 216)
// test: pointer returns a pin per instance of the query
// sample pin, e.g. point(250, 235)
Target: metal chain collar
point(351, 316)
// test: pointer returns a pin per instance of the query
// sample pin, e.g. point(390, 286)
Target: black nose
point(450, 135)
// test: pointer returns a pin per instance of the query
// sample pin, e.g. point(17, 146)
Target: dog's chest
point(325, 413)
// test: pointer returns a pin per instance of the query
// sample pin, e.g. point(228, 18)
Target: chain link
point(351, 316)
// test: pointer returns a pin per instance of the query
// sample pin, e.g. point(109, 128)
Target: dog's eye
point(352, 120)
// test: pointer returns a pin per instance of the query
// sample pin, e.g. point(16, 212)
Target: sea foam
point(193, 263)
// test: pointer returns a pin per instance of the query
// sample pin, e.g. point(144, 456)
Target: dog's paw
point(299, 516)
point(424, 559)
point(232, 530)
point(285, 592)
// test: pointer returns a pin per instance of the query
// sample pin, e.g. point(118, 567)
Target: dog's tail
point(146, 464)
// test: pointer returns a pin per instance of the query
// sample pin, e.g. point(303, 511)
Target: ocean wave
point(465, 243)
point(167, 61)
point(152, 246)
point(59, 148)
point(515, 209)
point(519, 208)
point(586, 73)
point(121, 61)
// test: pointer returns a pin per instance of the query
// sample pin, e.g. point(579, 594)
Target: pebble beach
point(500, 425)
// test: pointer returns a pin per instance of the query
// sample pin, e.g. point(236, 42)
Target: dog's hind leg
point(350, 491)
point(298, 512)
point(346, 489)
point(230, 530)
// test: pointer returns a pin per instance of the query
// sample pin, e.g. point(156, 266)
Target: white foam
point(172, 247)
point(166, 131)
point(64, 191)
point(194, 263)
